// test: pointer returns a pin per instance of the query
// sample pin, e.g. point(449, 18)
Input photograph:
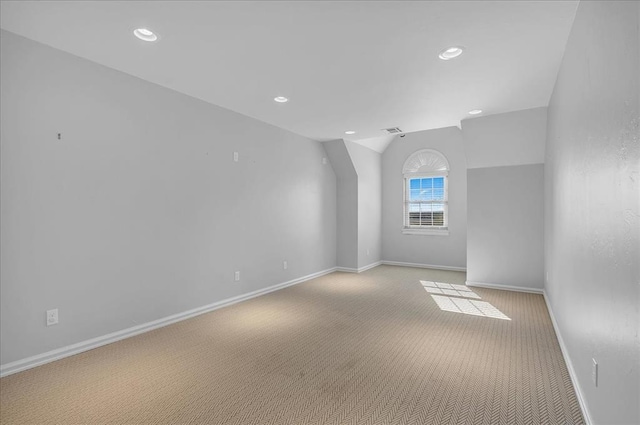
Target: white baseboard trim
point(346, 270)
point(359, 270)
point(505, 287)
point(369, 266)
point(424, 266)
point(567, 359)
point(70, 350)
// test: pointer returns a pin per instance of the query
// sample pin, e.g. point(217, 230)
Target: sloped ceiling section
point(360, 66)
point(514, 138)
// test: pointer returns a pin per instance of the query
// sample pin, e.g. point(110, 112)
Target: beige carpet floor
point(369, 348)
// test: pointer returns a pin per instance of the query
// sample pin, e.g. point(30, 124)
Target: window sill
point(426, 232)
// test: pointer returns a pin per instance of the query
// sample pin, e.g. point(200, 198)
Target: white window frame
point(425, 163)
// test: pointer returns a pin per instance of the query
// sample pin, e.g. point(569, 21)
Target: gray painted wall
point(513, 138)
point(505, 228)
point(448, 251)
point(139, 212)
point(592, 206)
point(359, 221)
point(368, 165)
point(347, 204)
point(505, 225)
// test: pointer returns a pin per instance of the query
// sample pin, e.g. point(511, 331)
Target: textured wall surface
point(139, 211)
point(592, 206)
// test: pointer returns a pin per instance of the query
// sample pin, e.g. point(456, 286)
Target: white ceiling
point(360, 65)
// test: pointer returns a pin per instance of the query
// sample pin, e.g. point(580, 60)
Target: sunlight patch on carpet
point(465, 306)
point(449, 289)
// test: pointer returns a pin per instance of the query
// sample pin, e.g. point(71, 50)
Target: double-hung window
point(426, 203)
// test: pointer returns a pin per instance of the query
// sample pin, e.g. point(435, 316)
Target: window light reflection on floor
point(465, 306)
point(449, 289)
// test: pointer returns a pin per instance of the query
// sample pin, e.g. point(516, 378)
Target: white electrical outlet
point(236, 276)
point(367, 252)
point(52, 317)
point(547, 276)
point(285, 265)
point(235, 157)
point(324, 161)
point(594, 372)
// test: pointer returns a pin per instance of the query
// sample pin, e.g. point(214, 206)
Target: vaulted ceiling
point(359, 65)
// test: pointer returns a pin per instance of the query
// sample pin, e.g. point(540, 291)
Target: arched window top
point(426, 161)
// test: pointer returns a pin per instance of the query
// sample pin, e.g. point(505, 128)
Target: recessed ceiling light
point(450, 53)
point(475, 112)
point(350, 132)
point(145, 34)
point(281, 99)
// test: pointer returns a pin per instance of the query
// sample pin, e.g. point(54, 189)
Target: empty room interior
point(320, 212)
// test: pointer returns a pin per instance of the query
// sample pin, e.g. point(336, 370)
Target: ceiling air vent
point(394, 130)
